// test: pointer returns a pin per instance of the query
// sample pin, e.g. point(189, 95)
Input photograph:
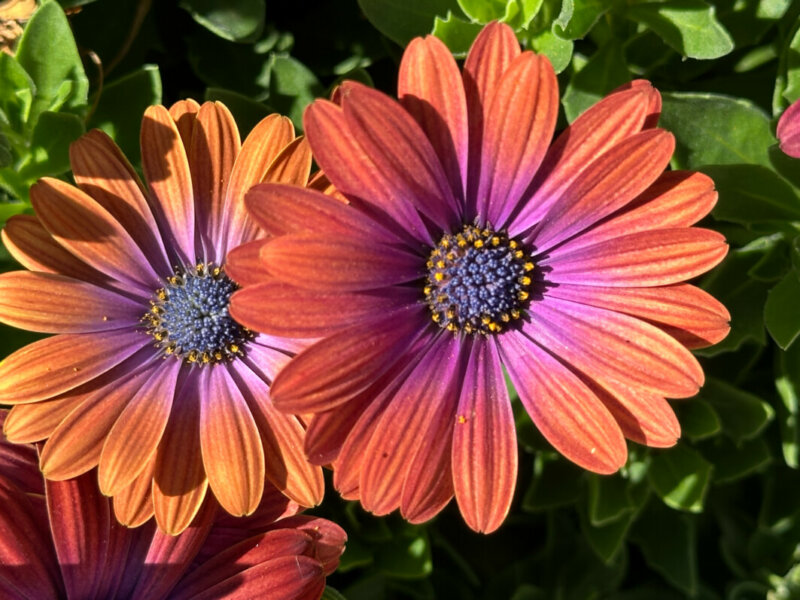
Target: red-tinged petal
point(329, 538)
point(292, 166)
point(19, 464)
point(134, 437)
point(50, 303)
point(428, 394)
point(102, 171)
point(608, 184)
point(243, 264)
point(172, 554)
point(81, 524)
point(597, 130)
point(350, 169)
point(91, 233)
point(653, 100)
point(211, 154)
point(491, 53)
point(184, 113)
point(133, 506)
point(28, 563)
point(284, 310)
point(266, 358)
point(180, 483)
point(518, 124)
point(282, 209)
point(328, 431)
point(676, 199)
point(335, 369)
point(265, 142)
point(231, 445)
point(643, 417)
point(284, 578)
point(789, 130)
point(30, 243)
point(608, 345)
point(282, 440)
point(338, 263)
point(77, 442)
point(564, 410)
point(484, 442)
point(55, 365)
point(648, 258)
point(684, 311)
point(430, 89)
point(320, 182)
point(166, 169)
point(35, 422)
point(397, 146)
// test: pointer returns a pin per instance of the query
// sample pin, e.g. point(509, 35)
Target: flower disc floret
point(189, 317)
point(478, 281)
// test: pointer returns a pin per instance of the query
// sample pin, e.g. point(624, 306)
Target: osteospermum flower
point(150, 379)
point(789, 130)
point(471, 243)
point(60, 540)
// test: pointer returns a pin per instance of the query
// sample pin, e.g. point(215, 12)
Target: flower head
point(149, 378)
point(471, 243)
point(60, 540)
point(789, 130)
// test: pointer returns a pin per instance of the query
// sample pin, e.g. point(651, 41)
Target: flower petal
point(35, 422)
point(91, 233)
point(609, 183)
point(430, 89)
point(211, 154)
point(134, 437)
point(184, 113)
point(608, 345)
point(338, 367)
point(77, 442)
point(243, 264)
point(354, 174)
point(338, 263)
point(601, 127)
point(789, 130)
point(684, 311)
point(284, 310)
point(564, 410)
point(648, 258)
point(518, 125)
point(50, 303)
point(54, 365)
point(231, 445)
point(102, 171)
point(179, 483)
point(484, 442)
point(292, 166)
point(133, 506)
point(166, 169)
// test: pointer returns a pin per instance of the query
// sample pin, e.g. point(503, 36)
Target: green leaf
point(668, 541)
point(752, 194)
point(689, 26)
point(735, 461)
point(787, 382)
point(401, 20)
point(483, 11)
point(520, 13)
point(716, 130)
point(234, 20)
point(16, 93)
point(53, 134)
point(780, 312)
point(742, 414)
point(604, 71)
point(608, 498)
point(356, 555)
point(698, 419)
point(332, 594)
point(122, 103)
point(606, 540)
point(245, 111)
point(6, 158)
point(680, 476)
point(456, 33)
point(585, 14)
point(792, 90)
point(557, 49)
point(407, 555)
point(292, 86)
point(556, 482)
point(48, 53)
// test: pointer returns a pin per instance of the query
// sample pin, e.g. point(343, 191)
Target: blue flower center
point(189, 317)
point(478, 281)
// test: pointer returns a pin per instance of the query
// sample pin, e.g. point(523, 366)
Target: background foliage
point(718, 516)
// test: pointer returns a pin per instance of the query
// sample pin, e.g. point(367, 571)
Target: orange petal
point(166, 169)
point(293, 165)
point(133, 506)
point(243, 264)
point(184, 113)
point(34, 422)
point(231, 445)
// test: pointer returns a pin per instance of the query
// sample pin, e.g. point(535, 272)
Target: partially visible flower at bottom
point(789, 130)
point(60, 540)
